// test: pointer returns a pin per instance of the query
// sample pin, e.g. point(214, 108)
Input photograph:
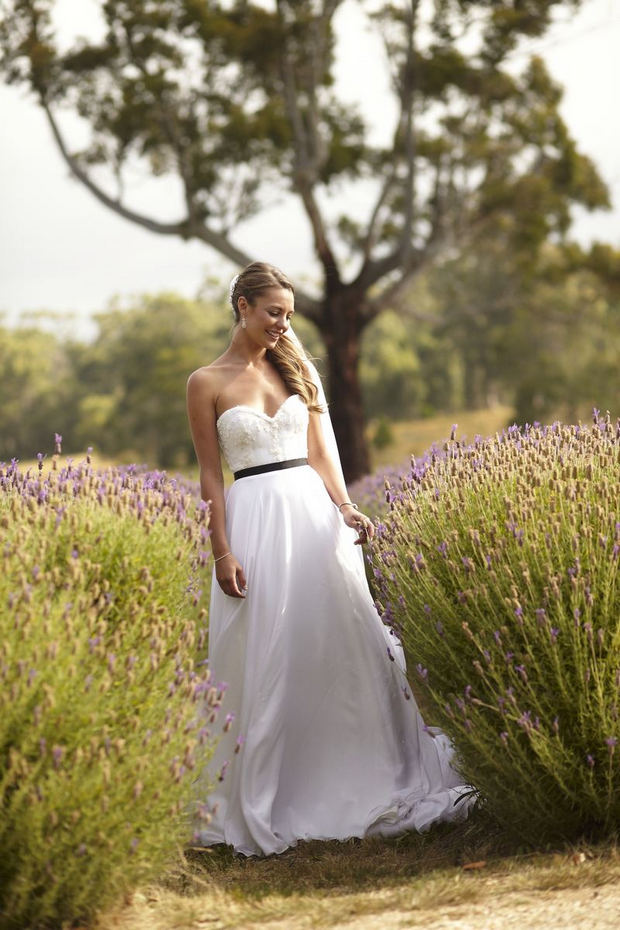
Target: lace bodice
point(249, 437)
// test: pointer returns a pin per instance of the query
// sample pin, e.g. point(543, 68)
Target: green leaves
point(498, 563)
point(106, 710)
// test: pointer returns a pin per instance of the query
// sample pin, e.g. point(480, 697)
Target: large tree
point(236, 98)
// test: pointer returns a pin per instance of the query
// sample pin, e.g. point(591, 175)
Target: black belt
point(270, 466)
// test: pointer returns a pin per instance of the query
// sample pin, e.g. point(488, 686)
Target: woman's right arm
point(202, 417)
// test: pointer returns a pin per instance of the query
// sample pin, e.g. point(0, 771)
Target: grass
point(368, 883)
point(414, 437)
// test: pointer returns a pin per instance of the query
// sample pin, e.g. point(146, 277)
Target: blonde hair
point(286, 357)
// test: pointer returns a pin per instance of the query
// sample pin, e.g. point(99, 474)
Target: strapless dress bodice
point(249, 437)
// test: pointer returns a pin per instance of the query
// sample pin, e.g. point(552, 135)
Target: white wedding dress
point(330, 743)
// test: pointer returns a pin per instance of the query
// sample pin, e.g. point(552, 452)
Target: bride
point(324, 739)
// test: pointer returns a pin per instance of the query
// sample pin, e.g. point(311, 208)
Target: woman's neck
point(241, 348)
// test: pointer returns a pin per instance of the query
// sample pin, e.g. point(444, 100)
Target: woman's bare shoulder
point(208, 380)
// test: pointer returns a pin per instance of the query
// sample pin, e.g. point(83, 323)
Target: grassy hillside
point(414, 437)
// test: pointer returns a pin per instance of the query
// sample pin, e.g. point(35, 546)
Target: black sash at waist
point(270, 466)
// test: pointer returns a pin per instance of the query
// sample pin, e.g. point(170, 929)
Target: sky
point(61, 250)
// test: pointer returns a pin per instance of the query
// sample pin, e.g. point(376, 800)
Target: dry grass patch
point(363, 885)
point(414, 437)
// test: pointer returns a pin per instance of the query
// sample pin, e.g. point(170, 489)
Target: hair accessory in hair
point(232, 286)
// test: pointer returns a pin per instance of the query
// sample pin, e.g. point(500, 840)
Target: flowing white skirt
point(332, 744)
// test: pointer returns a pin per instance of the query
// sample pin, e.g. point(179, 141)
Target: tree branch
point(371, 271)
point(375, 269)
point(185, 228)
point(371, 230)
point(406, 97)
point(168, 126)
point(307, 157)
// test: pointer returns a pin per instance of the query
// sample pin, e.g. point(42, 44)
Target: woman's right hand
point(230, 576)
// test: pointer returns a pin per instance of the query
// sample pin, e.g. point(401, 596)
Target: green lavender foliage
point(498, 563)
point(106, 714)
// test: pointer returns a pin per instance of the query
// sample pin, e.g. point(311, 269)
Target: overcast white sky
point(61, 250)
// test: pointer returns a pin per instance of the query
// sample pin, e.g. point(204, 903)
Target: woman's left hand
point(360, 522)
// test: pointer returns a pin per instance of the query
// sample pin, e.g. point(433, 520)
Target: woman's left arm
point(320, 459)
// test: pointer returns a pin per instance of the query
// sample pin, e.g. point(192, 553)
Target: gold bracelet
point(222, 556)
point(347, 504)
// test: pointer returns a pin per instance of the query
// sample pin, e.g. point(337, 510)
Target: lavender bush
point(106, 710)
point(498, 564)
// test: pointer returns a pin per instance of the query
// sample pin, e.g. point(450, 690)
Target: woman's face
point(269, 316)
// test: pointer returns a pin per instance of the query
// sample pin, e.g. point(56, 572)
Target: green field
point(414, 437)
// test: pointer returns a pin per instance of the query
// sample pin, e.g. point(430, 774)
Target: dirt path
point(483, 905)
point(591, 908)
point(366, 887)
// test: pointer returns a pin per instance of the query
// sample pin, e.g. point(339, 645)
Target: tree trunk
point(341, 328)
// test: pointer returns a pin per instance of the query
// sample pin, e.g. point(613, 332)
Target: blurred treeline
point(477, 330)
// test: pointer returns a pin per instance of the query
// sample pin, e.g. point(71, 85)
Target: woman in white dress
point(324, 739)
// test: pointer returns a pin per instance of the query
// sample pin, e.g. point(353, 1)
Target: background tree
point(235, 99)
point(540, 332)
point(36, 390)
point(122, 393)
point(549, 348)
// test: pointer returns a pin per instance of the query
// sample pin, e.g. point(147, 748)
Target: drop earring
point(243, 324)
